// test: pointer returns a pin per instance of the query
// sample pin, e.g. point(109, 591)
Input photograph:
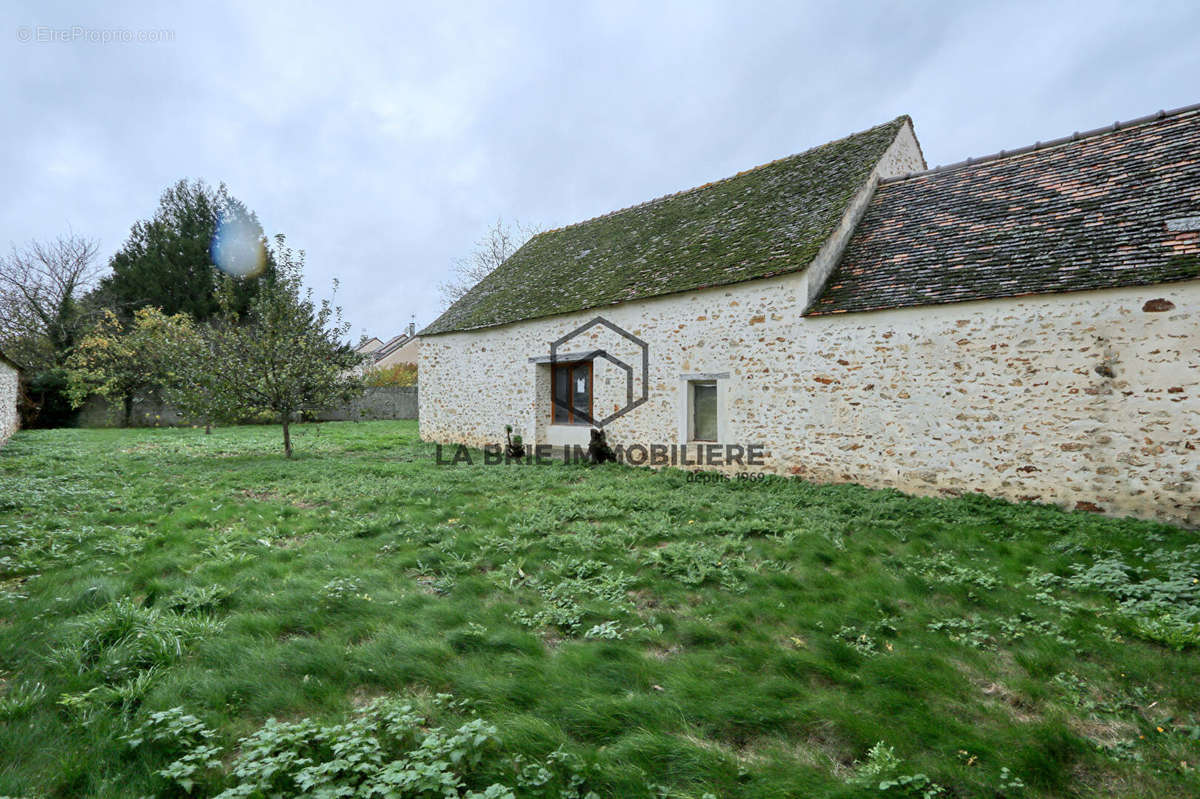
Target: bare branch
point(500, 242)
point(40, 288)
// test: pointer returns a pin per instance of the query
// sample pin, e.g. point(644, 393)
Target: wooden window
point(571, 387)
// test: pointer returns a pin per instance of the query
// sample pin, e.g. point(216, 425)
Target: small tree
point(285, 355)
point(123, 363)
point(189, 381)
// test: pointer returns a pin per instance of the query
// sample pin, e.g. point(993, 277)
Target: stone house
point(1023, 324)
point(10, 375)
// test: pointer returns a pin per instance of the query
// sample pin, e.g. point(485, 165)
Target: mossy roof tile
point(765, 221)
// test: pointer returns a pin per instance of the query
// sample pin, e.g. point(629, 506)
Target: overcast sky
point(384, 138)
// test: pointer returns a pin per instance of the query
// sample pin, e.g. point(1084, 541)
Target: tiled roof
point(766, 221)
point(9, 361)
point(391, 346)
point(369, 346)
point(1098, 210)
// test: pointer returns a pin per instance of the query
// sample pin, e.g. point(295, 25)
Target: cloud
point(383, 139)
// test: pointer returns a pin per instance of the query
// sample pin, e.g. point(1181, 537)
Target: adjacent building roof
point(766, 221)
point(369, 346)
point(9, 361)
point(1114, 207)
point(392, 345)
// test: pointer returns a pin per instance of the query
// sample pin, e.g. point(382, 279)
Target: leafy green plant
point(340, 590)
point(698, 562)
point(194, 599)
point(151, 569)
point(970, 631)
point(386, 749)
point(944, 568)
point(566, 588)
point(178, 733)
point(880, 772)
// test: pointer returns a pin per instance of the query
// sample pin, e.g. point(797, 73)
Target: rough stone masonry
point(1024, 325)
point(1088, 400)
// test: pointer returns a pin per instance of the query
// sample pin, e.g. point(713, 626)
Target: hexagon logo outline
point(630, 402)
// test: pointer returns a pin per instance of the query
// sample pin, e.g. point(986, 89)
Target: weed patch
point(191, 615)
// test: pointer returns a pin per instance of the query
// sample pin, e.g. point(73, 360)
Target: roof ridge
point(718, 181)
point(1044, 145)
point(391, 345)
point(717, 233)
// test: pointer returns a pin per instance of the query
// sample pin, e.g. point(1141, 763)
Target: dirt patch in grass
point(780, 662)
point(1104, 732)
point(1097, 780)
point(275, 496)
point(364, 695)
point(644, 599)
point(1019, 708)
point(823, 746)
point(663, 652)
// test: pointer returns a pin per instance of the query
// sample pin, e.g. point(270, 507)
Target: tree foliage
point(43, 311)
point(125, 362)
point(190, 384)
point(167, 261)
point(401, 374)
point(285, 354)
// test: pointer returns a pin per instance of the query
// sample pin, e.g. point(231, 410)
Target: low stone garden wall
point(376, 403)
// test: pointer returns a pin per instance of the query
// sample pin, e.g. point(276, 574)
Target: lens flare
point(237, 247)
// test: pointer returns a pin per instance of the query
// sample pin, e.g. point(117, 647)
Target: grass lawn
point(183, 614)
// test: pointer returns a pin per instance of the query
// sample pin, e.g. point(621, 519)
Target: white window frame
point(686, 405)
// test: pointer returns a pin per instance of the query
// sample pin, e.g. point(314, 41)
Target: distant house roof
point(369, 346)
point(1115, 207)
point(392, 345)
point(767, 221)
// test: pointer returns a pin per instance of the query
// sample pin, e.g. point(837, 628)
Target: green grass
point(625, 631)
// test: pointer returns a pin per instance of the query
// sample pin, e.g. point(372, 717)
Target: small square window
point(702, 421)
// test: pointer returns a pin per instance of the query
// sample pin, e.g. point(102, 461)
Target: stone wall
point(9, 378)
point(1088, 400)
point(99, 412)
point(376, 403)
point(379, 402)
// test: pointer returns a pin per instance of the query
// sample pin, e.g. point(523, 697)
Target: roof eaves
point(991, 297)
